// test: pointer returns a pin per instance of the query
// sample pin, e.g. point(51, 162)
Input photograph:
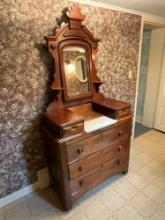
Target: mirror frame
point(73, 33)
point(75, 43)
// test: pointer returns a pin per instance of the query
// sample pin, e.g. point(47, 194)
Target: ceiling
point(155, 7)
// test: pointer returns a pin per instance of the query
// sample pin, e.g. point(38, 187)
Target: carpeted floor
point(139, 195)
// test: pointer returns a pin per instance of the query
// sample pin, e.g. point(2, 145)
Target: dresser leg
point(67, 206)
point(125, 171)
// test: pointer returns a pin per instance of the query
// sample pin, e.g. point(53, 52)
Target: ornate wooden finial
point(76, 13)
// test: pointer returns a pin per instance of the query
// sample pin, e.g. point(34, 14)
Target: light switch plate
point(130, 74)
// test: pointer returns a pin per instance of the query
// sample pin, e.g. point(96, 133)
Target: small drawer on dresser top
point(85, 165)
point(73, 129)
point(124, 112)
point(120, 148)
point(85, 182)
point(97, 142)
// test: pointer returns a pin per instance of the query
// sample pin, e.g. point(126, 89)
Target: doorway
point(149, 78)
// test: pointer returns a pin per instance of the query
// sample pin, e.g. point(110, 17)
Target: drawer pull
point(81, 182)
point(120, 148)
point(80, 150)
point(74, 127)
point(120, 133)
point(118, 162)
point(80, 168)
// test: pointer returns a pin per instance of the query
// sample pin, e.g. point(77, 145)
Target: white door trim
point(138, 76)
point(161, 90)
point(153, 76)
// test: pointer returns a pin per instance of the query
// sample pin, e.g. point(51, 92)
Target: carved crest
point(76, 13)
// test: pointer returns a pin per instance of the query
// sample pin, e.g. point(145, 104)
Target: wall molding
point(18, 194)
point(148, 18)
point(42, 183)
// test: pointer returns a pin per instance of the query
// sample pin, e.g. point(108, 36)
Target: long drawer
point(93, 161)
point(97, 142)
point(86, 182)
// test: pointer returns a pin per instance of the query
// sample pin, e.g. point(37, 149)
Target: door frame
point(160, 89)
point(154, 24)
point(154, 73)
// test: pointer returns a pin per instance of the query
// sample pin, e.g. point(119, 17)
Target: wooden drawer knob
point(74, 127)
point(81, 182)
point(120, 133)
point(118, 162)
point(120, 148)
point(80, 168)
point(80, 150)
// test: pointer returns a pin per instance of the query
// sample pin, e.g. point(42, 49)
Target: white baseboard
point(139, 118)
point(43, 182)
point(18, 194)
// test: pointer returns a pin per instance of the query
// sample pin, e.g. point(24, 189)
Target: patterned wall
point(25, 72)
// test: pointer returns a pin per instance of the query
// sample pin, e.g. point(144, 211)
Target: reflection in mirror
point(81, 69)
point(76, 70)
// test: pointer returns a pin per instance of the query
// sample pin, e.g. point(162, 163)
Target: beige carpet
point(139, 195)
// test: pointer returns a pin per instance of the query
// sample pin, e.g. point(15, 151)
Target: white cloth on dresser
point(97, 123)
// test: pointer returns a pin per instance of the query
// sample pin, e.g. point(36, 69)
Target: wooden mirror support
point(69, 35)
point(80, 158)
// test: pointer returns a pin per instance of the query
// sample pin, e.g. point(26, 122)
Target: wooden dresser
point(79, 160)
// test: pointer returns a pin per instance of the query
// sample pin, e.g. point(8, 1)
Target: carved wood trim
point(69, 34)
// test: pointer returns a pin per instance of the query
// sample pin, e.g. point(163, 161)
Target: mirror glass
point(76, 70)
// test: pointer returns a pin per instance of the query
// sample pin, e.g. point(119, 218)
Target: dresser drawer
point(84, 183)
point(97, 142)
point(119, 149)
point(119, 164)
point(85, 165)
point(73, 129)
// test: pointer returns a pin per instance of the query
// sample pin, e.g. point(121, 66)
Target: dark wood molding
point(73, 33)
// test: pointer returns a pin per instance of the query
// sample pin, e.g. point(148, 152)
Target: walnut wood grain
point(119, 149)
point(88, 181)
point(85, 165)
point(97, 142)
point(78, 160)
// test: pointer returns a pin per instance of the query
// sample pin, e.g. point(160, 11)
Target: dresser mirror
point(75, 70)
point(74, 50)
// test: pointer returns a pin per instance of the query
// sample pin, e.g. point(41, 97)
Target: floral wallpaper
point(26, 70)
